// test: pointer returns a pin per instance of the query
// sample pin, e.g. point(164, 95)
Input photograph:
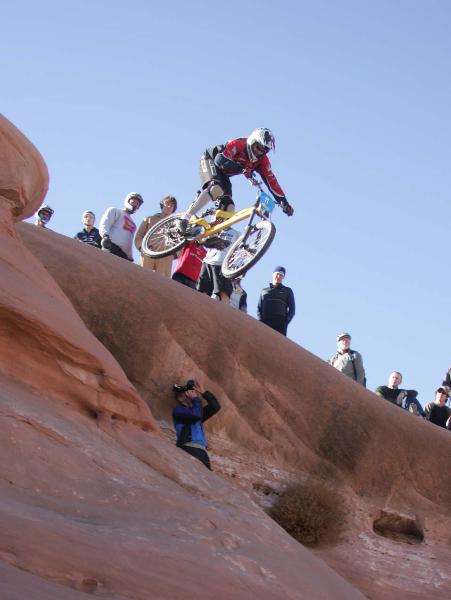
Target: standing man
point(45, 213)
point(117, 227)
point(160, 265)
point(189, 264)
point(276, 306)
point(211, 280)
point(348, 361)
point(437, 412)
point(238, 298)
point(403, 398)
point(89, 235)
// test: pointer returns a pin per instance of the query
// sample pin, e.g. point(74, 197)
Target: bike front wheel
point(164, 238)
point(242, 255)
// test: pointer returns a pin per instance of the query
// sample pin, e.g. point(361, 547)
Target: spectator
point(447, 381)
point(89, 235)
point(403, 398)
point(211, 280)
point(189, 416)
point(160, 265)
point(437, 412)
point(117, 227)
point(238, 298)
point(348, 361)
point(44, 215)
point(188, 265)
point(276, 306)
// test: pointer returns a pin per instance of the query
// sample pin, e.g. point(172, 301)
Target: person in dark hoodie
point(437, 412)
point(89, 234)
point(276, 306)
point(189, 416)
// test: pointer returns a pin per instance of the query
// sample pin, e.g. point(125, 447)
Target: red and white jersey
point(189, 262)
point(236, 150)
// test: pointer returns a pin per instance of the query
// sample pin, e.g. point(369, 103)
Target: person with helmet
point(348, 361)
point(89, 235)
point(237, 156)
point(117, 227)
point(44, 215)
point(168, 205)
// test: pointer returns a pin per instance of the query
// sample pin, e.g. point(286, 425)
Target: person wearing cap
point(347, 361)
point(189, 416)
point(168, 205)
point(276, 306)
point(44, 215)
point(89, 234)
point(437, 412)
point(117, 227)
point(402, 398)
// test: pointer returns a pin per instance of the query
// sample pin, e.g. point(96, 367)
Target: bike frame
point(229, 219)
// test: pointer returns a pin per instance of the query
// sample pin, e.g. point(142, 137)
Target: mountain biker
point(237, 156)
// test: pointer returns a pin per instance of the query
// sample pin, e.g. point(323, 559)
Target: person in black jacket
point(89, 235)
point(437, 412)
point(189, 416)
point(276, 306)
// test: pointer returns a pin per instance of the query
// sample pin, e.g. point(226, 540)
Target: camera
point(189, 385)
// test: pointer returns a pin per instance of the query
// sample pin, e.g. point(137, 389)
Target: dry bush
point(310, 512)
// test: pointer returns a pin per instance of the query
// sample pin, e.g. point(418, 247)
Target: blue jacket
point(188, 420)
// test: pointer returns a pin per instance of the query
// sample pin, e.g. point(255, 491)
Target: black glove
point(106, 242)
point(287, 208)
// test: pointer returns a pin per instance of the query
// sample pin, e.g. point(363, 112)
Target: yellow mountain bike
point(164, 238)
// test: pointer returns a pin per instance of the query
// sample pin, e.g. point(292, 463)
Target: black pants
point(212, 281)
point(199, 454)
point(278, 323)
point(117, 251)
point(185, 280)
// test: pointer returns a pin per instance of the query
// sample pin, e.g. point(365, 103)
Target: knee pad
point(215, 190)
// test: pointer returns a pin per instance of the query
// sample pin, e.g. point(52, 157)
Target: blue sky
point(125, 97)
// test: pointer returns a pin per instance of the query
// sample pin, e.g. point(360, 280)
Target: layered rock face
point(286, 415)
point(94, 500)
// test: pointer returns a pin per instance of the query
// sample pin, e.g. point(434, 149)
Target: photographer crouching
point(189, 416)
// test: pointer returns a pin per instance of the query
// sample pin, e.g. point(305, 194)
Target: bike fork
point(249, 224)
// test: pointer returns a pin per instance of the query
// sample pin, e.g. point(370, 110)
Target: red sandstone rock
point(24, 178)
point(286, 414)
point(90, 502)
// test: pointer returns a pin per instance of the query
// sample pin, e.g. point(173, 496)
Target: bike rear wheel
point(163, 238)
point(243, 255)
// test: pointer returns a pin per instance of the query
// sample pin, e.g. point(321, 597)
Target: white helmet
point(128, 206)
point(261, 139)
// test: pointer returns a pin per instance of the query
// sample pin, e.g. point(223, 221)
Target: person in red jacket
point(238, 156)
point(188, 265)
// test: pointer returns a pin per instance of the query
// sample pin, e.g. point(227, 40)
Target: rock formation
point(94, 499)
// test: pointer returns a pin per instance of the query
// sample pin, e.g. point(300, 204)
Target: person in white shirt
point(117, 227)
point(211, 281)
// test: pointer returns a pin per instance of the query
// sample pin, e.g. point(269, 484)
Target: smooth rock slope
point(94, 501)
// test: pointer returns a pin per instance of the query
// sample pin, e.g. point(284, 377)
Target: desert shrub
point(310, 512)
